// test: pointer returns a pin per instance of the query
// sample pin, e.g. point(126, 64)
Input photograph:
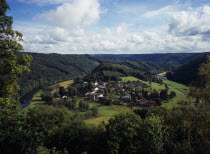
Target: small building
point(162, 77)
point(142, 102)
point(101, 84)
point(95, 83)
point(121, 90)
point(91, 96)
point(102, 90)
point(65, 97)
point(151, 103)
point(96, 89)
point(100, 95)
point(116, 102)
point(126, 97)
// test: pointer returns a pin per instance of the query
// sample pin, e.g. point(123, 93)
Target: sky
point(112, 26)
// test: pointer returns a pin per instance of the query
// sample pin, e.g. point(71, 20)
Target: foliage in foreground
point(160, 130)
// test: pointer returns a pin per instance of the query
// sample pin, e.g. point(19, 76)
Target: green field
point(37, 100)
point(65, 84)
point(106, 112)
point(162, 74)
point(129, 78)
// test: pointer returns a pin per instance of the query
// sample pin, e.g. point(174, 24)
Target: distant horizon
point(117, 53)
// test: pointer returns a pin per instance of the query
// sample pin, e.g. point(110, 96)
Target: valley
point(104, 77)
point(105, 112)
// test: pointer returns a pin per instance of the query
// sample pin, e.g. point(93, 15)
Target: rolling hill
point(48, 69)
point(187, 73)
point(176, 59)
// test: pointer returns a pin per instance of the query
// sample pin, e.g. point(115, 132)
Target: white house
point(96, 89)
point(95, 83)
point(127, 96)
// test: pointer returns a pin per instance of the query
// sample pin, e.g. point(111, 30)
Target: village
point(119, 93)
point(134, 93)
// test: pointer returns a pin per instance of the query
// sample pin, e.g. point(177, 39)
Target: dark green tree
point(200, 89)
point(95, 111)
point(164, 94)
point(128, 133)
point(12, 64)
point(62, 91)
point(172, 95)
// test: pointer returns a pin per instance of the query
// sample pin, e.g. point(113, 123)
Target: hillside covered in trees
point(187, 73)
point(113, 72)
point(48, 69)
point(174, 59)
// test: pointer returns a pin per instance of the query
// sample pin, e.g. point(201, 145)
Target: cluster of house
point(141, 102)
point(99, 88)
point(144, 102)
point(98, 91)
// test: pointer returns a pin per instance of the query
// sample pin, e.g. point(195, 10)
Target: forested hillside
point(48, 69)
point(187, 73)
point(175, 59)
point(113, 72)
point(153, 68)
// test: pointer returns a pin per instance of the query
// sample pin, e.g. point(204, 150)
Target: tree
point(48, 97)
point(12, 64)
point(164, 94)
point(70, 136)
point(166, 86)
point(56, 95)
point(200, 89)
point(145, 95)
point(109, 102)
point(128, 133)
point(81, 104)
point(95, 111)
point(154, 95)
point(62, 91)
point(172, 95)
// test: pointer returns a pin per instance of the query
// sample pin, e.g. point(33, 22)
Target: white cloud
point(60, 40)
point(191, 22)
point(185, 31)
point(136, 38)
point(122, 28)
point(167, 10)
point(45, 2)
point(76, 13)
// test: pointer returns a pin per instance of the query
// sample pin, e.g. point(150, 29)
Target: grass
point(106, 112)
point(129, 78)
point(162, 74)
point(37, 100)
point(65, 84)
point(180, 90)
